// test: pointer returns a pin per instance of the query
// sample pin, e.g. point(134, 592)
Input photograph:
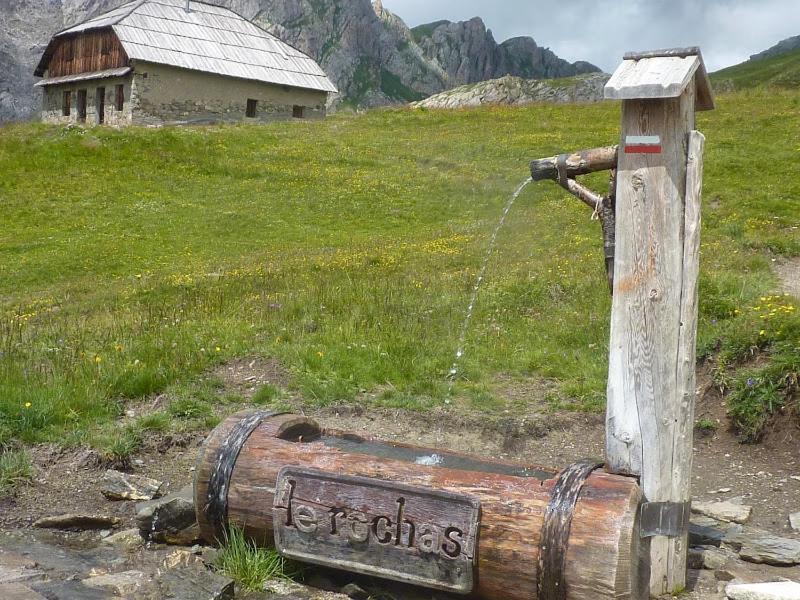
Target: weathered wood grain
point(661, 74)
point(687, 344)
point(575, 164)
point(602, 558)
point(86, 53)
point(645, 412)
point(662, 77)
point(415, 535)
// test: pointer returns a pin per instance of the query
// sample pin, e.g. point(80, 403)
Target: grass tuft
point(266, 394)
point(251, 567)
point(158, 422)
point(15, 468)
point(758, 395)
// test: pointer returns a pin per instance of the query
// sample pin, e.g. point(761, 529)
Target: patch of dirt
point(788, 271)
point(68, 481)
point(245, 375)
point(763, 474)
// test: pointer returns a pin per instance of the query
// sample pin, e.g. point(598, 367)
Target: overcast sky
point(727, 31)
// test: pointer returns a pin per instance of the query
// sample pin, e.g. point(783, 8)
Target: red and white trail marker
point(642, 144)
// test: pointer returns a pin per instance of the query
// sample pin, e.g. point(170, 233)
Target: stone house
point(156, 62)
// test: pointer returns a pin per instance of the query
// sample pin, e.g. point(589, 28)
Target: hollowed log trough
point(484, 529)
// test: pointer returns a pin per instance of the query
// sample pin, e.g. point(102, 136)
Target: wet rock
point(17, 591)
point(77, 522)
point(130, 539)
point(14, 560)
point(169, 520)
point(209, 555)
point(181, 558)
point(777, 590)
point(707, 557)
point(70, 589)
point(794, 521)
point(723, 511)
point(771, 550)
point(16, 574)
point(354, 591)
point(195, 582)
point(122, 486)
point(290, 590)
point(121, 584)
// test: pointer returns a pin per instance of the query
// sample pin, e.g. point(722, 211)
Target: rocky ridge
point(517, 91)
point(782, 47)
point(372, 56)
point(375, 59)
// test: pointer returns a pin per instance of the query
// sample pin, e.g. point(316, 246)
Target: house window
point(297, 111)
point(100, 105)
point(82, 105)
point(252, 107)
point(119, 103)
point(66, 103)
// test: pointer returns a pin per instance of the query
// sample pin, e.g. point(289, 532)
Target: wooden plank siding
point(87, 52)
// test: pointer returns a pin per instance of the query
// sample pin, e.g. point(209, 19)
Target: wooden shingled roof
point(661, 74)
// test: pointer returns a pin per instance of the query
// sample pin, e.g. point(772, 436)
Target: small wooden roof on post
point(651, 387)
point(661, 74)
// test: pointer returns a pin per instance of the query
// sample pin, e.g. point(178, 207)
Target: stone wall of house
point(53, 102)
point(164, 95)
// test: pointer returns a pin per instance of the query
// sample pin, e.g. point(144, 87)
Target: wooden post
point(650, 408)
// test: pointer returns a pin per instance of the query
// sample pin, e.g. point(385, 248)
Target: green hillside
point(781, 71)
point(133, 261)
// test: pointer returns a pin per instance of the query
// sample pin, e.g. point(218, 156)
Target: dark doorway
point(100, 100)
point(298, 111)
point(82, 106)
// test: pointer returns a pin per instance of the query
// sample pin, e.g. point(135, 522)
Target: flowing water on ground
point(462, 339)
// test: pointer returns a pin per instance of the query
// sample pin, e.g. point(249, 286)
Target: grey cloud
point(728, 31)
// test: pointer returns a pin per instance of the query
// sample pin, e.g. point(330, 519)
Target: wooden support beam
point(575, 164)
point(590, 198)
point(687, 346)
point(608, 220)
point(649, 414)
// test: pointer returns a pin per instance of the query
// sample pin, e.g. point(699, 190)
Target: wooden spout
point(575, 164)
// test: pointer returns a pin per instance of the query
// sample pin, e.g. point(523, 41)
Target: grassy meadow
point(132, 261)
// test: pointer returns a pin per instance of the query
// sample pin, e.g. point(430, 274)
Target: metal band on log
point(228, 439)
point(427, 517)
point(555, 531)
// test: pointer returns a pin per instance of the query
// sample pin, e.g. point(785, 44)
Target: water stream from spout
point(462, 338)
